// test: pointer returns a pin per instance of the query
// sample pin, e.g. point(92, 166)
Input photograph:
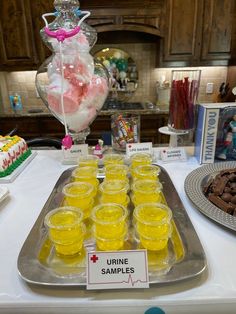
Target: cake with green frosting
point(13, 151)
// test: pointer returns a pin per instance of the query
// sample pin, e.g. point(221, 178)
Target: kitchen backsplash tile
point(23, 83)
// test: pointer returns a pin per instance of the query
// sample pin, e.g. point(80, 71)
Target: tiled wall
point(23, 83)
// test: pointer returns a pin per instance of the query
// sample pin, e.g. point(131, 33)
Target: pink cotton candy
point(71, 101)
point(81, 71)
point(82, 39)
point(95, 93)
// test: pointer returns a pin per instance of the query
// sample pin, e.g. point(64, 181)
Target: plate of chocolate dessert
point(212, 189)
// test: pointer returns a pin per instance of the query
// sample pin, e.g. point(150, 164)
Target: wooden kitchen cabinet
point(181, 44)
point(21, 47)
point(217, 30)
point(17, 42)
point(38, 8)
point(139, 16)
point(197, 33)
point(32, 126)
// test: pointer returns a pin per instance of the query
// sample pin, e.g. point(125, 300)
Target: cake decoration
point(13, 151)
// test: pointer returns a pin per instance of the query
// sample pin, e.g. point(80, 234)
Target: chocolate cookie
point(221, 191)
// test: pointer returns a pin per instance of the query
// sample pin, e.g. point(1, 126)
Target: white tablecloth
point(212, 292)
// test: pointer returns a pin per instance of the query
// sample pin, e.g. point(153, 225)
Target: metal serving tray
point(183, 258)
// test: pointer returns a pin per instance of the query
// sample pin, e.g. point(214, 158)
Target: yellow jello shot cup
point(88, 161)
point(147, 191)
point(153, 223)
point(110, 244)
point(145, 172)
point(140, 159)
point(86, 174)
point(113, 159)
point(117, 172)
point(79, 194)
point(109, 220)
point(125, 203)
point(66, 229)
point(153, 243)
point(114, 191)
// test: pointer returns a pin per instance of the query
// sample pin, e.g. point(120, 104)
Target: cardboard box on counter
point(215, 136)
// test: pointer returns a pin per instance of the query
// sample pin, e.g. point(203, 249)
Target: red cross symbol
point(94, 258)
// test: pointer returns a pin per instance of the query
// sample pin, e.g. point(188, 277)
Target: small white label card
point(117, 270)
point(134, 148)
point(173, 154)
point(71, 155)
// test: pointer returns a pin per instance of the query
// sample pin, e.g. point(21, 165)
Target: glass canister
point(183, 96)
point(125, 128)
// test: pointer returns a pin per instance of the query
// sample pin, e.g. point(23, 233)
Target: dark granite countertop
point(101, 113)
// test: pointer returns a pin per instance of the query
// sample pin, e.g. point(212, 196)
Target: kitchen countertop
point(101, 113)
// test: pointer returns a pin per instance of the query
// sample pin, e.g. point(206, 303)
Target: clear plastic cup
point(110, 244)
point(147, 191)
point(79, 194)
point(66, 229)
point(145, 172)
point(114, 191)
point(114, 159)
point(140, 159)
point(109, 220)
point(153, 220)
point(118, 172)
point(153, 242)
point(88, 161)
point(125, 203)
point(86, 174)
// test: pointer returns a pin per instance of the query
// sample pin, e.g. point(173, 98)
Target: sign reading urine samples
point(117, 270)
point(16, 103)
point(133, 148)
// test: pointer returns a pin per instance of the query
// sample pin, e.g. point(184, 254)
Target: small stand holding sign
point(117, 269)
point(70, 156)
point(134, 148)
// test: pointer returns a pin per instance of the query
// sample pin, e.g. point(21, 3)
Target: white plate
point(4, 192)
point(11, 177)
point(194, 184)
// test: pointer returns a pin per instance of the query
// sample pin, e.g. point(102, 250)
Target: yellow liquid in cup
point(86, 174)
point(152, 223)
point(140, 159)
point(116, 172)
point(66, 230)
point(109, 244)
point(114, 191)
point(109, 220)
point(147, 191)
point(117, 201)
point(113, 159)
point(145, 172)
point(79, 194)
point(88, 161)
point(153, 244)
point(69, 249)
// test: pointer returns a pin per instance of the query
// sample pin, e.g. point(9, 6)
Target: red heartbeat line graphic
point(130, 280)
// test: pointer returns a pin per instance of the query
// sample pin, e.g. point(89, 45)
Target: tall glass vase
point(183, 97)
point(70, 82)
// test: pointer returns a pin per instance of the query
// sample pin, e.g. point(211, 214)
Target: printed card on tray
point(133, 148)
point(117, 269)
